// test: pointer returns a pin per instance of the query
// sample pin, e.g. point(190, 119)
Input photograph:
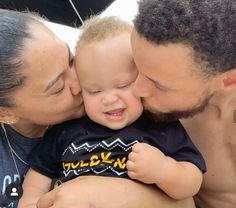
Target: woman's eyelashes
point(60, 90)
point(59, 87)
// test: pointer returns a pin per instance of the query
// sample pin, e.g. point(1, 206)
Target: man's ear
point(7, 116)
point(229, 79)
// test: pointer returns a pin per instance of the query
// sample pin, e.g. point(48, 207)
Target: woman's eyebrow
point(53, 82)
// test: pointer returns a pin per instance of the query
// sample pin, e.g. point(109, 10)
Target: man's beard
point(176, 115)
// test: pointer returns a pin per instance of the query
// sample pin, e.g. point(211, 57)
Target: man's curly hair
point(207, 26)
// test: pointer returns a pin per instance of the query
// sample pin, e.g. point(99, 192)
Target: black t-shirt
point(82, 147)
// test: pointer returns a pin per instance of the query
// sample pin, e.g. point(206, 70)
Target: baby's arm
point(34, 186)
point(177, 179)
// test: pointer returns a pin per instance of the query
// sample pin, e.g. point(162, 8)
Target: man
point(185, 52)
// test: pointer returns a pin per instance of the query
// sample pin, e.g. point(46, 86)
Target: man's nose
point(140, 87)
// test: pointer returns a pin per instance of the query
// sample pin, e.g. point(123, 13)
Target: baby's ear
point(7, 116)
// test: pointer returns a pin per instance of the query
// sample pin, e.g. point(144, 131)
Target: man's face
point(169, 81)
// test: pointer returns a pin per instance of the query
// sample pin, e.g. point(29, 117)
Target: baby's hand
point(145, 163)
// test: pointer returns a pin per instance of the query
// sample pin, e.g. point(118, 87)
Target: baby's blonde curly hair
point(97, 28)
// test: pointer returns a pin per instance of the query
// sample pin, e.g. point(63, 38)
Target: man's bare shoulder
point(214, 134)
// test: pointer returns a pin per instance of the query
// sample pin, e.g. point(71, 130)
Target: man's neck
point(224, 103)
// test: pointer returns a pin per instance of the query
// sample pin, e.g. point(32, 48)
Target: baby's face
point(106, 71)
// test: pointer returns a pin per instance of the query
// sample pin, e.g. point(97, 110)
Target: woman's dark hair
point(207, 26)
point(14, 30)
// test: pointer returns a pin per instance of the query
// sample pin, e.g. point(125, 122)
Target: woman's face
point(51, 91)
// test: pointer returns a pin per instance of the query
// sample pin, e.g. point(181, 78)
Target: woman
point(39, 87)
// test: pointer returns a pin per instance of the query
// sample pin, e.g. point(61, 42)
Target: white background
point(125, 9)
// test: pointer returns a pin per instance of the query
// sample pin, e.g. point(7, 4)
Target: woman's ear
point(7, 116)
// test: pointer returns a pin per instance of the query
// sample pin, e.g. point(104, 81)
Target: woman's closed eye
point(60, 90)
